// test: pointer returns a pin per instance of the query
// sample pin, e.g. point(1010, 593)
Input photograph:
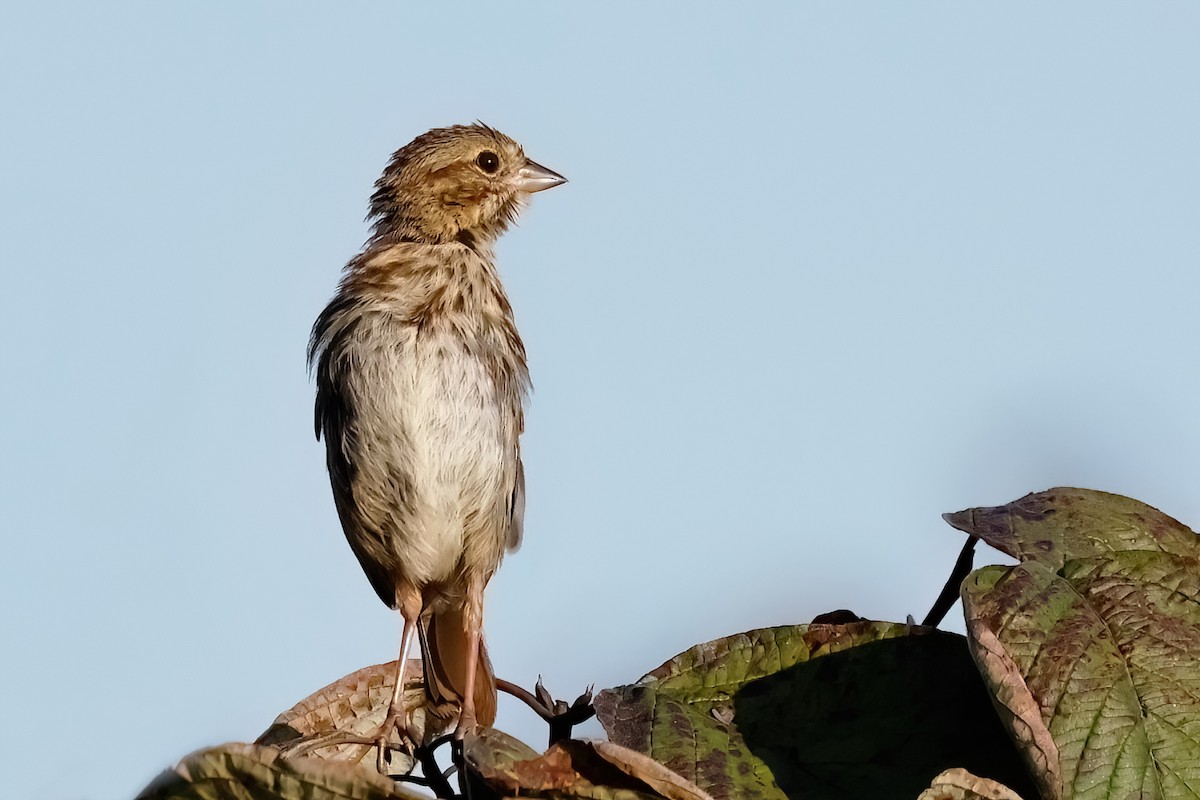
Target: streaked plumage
point(421, 383)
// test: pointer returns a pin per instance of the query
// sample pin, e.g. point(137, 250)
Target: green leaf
point(1094, 670)
point(862, 710)
point(253, 772)
point(1060, 524)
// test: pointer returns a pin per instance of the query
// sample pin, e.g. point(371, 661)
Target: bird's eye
point(488, 161)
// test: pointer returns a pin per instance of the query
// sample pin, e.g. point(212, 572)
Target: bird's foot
point(396, 722)
point(466, 723)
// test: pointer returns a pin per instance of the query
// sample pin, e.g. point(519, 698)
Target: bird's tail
point(444, 650)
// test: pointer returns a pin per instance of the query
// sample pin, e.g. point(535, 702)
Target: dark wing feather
point(333, 326)
point(517, 508)
point(335, 422)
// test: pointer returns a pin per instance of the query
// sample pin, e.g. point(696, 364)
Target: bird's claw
point(466, 723)
point(395, 722)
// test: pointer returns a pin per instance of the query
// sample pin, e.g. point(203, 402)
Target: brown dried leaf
point(571, 770)
point(958, 784)
point(670, 785)
point(492, 755)
point(356, 705)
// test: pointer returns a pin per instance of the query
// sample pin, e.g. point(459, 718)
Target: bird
point(421, 384)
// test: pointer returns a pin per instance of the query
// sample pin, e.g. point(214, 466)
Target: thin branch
point(435, 778)
point(525, 697)
point(949, 595)
point(560, 716)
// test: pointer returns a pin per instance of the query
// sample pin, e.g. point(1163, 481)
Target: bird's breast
point(439, 402)
point(463, 430)
point(421, 348)
point(452, 403)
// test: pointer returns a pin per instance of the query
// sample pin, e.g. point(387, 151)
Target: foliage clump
point(1077, 679)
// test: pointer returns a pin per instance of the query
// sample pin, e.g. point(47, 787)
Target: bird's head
point(463, 183)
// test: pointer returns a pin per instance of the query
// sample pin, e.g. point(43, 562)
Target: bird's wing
point(334, 421)
point(333, 327)
point(517, 508)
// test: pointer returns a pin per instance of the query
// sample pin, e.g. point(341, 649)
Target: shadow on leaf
point(878, 720)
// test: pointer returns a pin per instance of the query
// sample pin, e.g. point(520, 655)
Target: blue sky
point(821, 273)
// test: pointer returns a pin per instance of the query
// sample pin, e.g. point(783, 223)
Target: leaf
point(958, 784)
point(1100, 659)
point(669, 784)
point(1018, 708)
point(356, 705)
point(492, 756)
point(502, 766)
point(1060, 524)
point(253, 772)
point(867, 709)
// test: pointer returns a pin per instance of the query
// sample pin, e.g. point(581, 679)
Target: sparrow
point(421, 382)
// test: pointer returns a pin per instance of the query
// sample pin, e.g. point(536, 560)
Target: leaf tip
point(960, 520)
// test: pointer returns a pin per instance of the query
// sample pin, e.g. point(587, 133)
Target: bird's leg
point(397, 718)
point(474, 629)
point(396, 709)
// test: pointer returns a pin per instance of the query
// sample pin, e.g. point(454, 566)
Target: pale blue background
point(822, 272)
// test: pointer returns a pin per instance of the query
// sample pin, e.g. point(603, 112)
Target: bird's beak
point(533, 177)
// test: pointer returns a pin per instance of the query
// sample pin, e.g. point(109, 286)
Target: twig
point(433, 776)
point(949, 595)
point(560, 716)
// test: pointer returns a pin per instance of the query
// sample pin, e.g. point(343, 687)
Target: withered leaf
point(1059, 524)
